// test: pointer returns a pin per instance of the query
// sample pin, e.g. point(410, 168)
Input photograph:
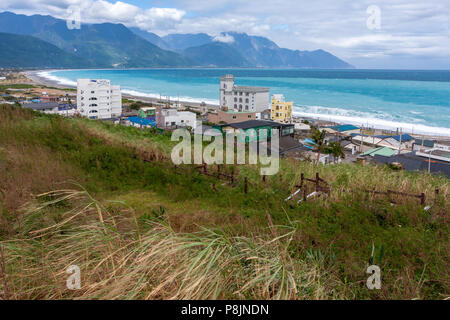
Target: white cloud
point(98, 11)
point(226, 38)
point(104, 10)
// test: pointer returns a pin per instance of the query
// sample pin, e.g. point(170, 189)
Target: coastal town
point(242, 108)
point(224, 155)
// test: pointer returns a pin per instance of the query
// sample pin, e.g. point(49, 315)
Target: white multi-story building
point(98, 99)
point(242, 98)
point(173, 117)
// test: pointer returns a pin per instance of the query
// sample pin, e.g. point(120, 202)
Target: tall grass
point(322, 251)
point(126, 258)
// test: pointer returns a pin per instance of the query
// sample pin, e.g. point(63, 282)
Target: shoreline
point(39, 80)
point(407, 128)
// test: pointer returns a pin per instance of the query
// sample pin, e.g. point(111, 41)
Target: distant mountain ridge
point(107, 45)
point(252, 51)
point(104, 45)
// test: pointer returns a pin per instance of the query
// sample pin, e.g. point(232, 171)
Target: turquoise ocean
point(415, 100)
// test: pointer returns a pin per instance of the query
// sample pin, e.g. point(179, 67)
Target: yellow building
point(281, 111)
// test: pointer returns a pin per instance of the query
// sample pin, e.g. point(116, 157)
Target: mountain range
point(108, 45)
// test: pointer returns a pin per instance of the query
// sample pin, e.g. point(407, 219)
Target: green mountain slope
point(216, 54)
point(105, 45)
point(29, 52)
point(258, 51)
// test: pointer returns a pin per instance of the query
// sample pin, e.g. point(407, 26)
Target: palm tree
point(335, 149)
point(319, 140)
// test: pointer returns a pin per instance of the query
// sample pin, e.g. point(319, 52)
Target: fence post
point(317, 181)
point(302, 178)
point(232, 176)
point(245, 185)
point(205, 170)
point(304, 194)
point(422, 198)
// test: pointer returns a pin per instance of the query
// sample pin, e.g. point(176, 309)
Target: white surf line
point(412, 128)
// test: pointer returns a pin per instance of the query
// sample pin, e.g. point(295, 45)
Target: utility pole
point(429, 159)
point(360, 133)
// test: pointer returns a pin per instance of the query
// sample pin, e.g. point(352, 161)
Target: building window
point(247, 94)
point(240, 93)
point(92, 91)
point(246, 100)
point(249, 116)
point(234, 117)
point(235, 105)
point(240, 99)
point(246, 107)
point(235, 99)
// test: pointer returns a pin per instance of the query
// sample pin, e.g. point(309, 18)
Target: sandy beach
point(39, 80)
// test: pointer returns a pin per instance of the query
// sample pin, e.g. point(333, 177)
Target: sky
point(390, 34)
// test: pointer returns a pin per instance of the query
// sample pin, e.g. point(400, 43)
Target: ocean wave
point(378, 121)
point(375, 118)
point(59, 80)
point(65, 81)
point(172, 98)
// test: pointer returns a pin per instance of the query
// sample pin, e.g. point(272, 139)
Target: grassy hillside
point(75, 191)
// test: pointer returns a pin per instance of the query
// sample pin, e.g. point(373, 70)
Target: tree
point(335, 149)
point(318, 137)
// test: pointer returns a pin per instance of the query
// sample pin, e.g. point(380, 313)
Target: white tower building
point(98, 99)
point(242, 98)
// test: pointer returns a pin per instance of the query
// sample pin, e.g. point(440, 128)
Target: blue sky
point(411, 34)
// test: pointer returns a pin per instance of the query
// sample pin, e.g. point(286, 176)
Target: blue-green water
point(417, 101)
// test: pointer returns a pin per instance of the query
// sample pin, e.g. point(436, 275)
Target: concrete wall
point(227, 117)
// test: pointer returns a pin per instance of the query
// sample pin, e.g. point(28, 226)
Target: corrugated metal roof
point(41, 106)
point(141, 121)
point(426, 143)
point(344, 127)
point(405, 137)
point(382, 151)
point(411, 162)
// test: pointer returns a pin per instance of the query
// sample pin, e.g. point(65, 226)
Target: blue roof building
point(141, 122)
point(344, 127)
point(404, 137)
